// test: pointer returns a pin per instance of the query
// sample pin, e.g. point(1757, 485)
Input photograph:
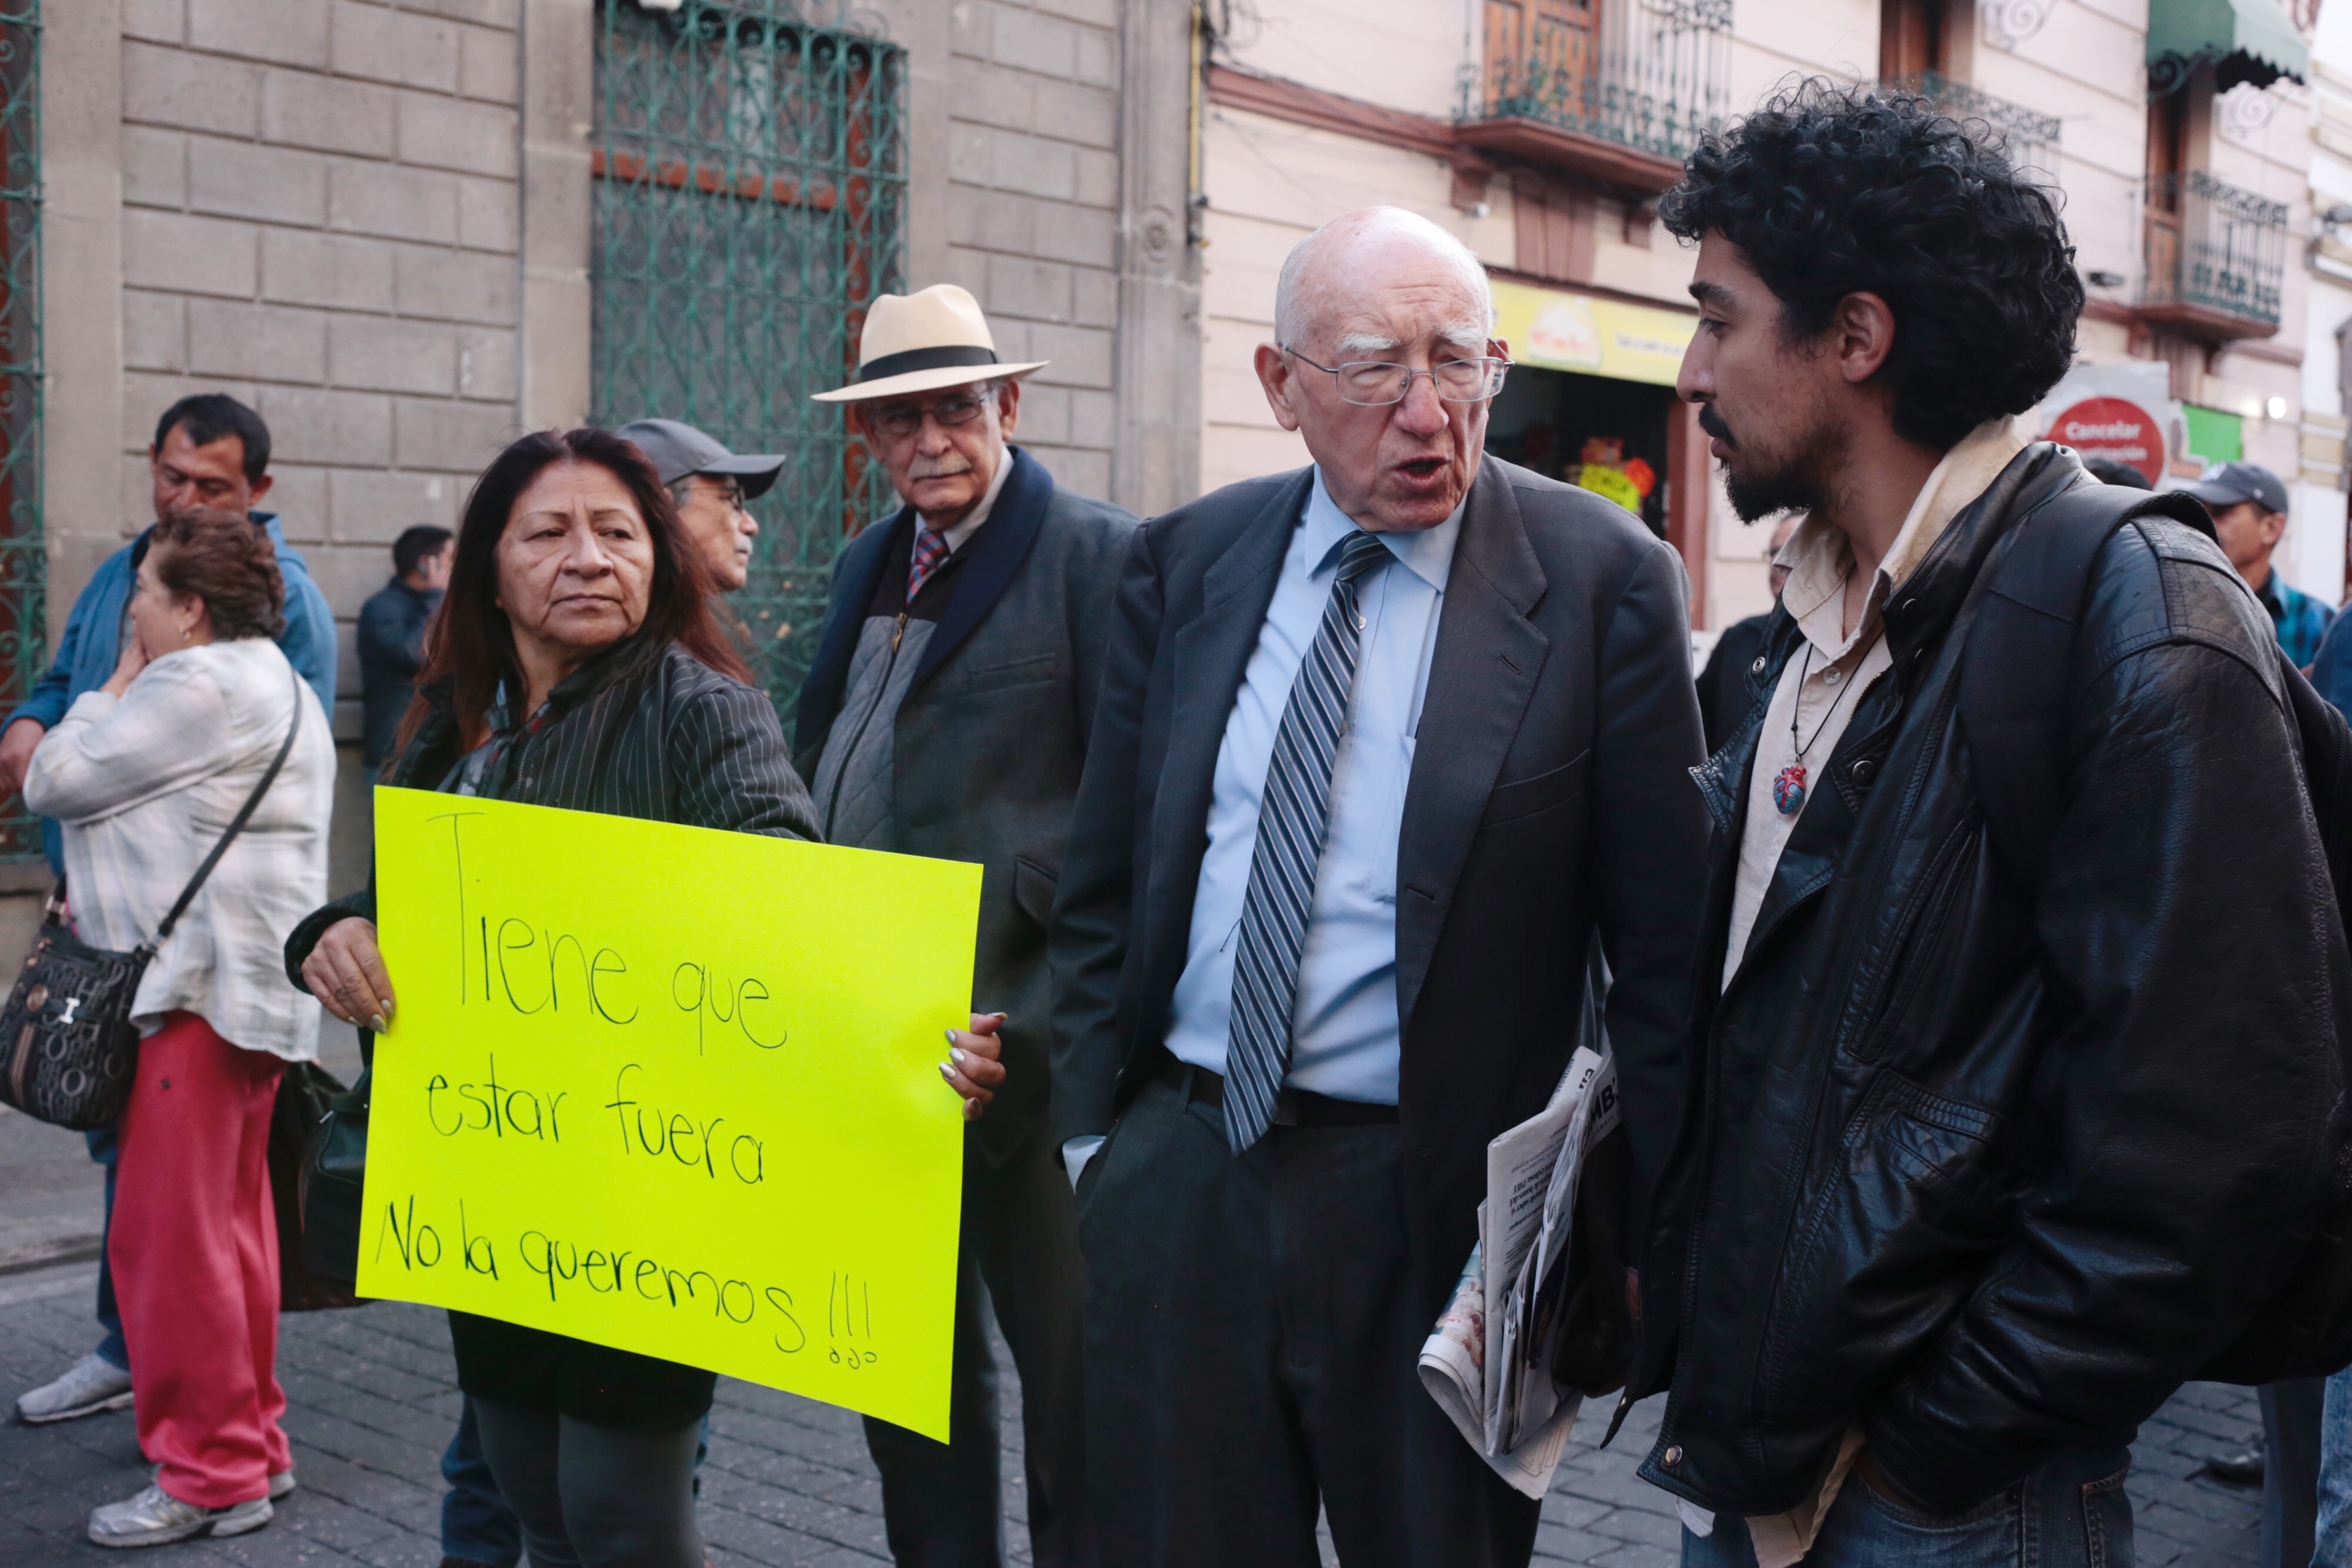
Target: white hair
point(1289, 310)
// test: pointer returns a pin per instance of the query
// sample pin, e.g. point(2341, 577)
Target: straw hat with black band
point(922, 341)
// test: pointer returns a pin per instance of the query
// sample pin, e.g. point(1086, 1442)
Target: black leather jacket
point(1992, 1175)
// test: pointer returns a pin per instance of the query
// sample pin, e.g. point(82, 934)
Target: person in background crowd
point(2116, 472)
point(2249, 507)
point(391, 637)
point(1382, 743)
point(141, 773)
point(210, 451)
point(972, 623)
point(1726, 688)
point(575, 644)
point(1921, 1261)
point(711, 485)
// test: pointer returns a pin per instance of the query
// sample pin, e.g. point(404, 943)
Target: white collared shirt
point(1818, 694)
point(956, 533)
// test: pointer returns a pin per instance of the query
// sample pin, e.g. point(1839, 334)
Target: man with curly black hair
point(1982, 1155)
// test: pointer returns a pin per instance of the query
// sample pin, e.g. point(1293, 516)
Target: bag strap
point(243, 815)
point(2014, 685)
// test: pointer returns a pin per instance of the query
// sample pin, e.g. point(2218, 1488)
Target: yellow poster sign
point(673, 1090)
point(1559, 330)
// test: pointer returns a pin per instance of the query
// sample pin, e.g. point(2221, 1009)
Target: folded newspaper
point(1494, 1362)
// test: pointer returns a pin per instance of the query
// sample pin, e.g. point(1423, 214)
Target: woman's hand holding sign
point(346, 973)
point(975, 1065)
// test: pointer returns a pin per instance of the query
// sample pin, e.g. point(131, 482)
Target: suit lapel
point(1211, 653)
point(1488, 657)
point(995, 553)
point(820, 692)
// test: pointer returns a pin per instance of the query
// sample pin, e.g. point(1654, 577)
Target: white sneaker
point(281, 1485)
point(156, 1518)
point(91, 1384)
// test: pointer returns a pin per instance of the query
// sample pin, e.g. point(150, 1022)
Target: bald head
point(1367, 252)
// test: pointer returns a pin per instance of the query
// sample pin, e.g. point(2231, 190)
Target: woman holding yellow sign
point(576, 663)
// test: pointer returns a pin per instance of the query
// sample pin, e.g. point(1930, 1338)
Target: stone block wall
point(1033, 211)
point(320, 216)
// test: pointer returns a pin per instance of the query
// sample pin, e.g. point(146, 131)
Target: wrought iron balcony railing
point(1647, 76)
point(2216, 257)
point(2029, 137)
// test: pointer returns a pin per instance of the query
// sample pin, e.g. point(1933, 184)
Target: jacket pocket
point(1526, 797)
point(1032, 890)
point(1007, 674)
point(1884, 1248)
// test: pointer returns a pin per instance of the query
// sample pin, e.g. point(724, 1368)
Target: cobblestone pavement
point(788, 1482)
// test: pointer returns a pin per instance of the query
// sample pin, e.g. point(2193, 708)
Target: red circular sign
point(2113, 428)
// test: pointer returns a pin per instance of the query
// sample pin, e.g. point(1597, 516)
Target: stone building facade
point(385, 224)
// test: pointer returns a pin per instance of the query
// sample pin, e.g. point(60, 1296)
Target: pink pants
point(195, 1253)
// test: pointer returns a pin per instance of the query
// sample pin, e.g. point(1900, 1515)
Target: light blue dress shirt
point(1345, 1029)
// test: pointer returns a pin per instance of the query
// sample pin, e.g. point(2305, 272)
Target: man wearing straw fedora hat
point(947, 714)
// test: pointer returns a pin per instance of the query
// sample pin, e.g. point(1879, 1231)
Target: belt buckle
point(1286, 1107)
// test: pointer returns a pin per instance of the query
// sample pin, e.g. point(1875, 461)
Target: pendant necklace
point(1789, 784)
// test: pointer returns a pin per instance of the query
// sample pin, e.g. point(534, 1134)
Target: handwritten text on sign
point(673, 1090)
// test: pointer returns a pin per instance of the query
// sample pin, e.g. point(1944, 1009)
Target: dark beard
point(1762, 486)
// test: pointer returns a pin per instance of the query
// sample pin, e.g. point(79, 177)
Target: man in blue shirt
point(210, 451)
point(2249, 507)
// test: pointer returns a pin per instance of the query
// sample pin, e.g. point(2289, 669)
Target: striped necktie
point(930, 549)
point(1291, 819)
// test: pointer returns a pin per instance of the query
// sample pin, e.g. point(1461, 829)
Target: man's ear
point(1274, 373)
point(260, 487)
point(1008, 408)
point(1862, 334)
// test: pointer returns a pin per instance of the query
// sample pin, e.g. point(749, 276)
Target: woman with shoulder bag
point(147, 774)
point(576, 663)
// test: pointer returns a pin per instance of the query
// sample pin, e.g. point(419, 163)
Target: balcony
point(1616, 90)
point(2216, 258)
point(2029, 138)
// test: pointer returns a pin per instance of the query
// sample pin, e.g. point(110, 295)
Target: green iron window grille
point(2216, 255)
point(23, 562)
point(1650, 75)
point(750, 193)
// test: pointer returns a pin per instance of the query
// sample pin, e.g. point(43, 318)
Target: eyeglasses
point(1374, 383)
point(905, 418)
point(728, 491)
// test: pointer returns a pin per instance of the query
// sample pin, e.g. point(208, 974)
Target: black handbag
point(306, 1093)
point(334, 1169)
point(66, 1042)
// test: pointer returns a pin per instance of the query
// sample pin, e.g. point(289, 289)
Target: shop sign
point(2113, 428)
point(1560, 331)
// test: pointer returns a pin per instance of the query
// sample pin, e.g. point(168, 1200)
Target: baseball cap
point(678, 451)
point(2227, 484)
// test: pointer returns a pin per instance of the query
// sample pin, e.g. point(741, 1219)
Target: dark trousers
point(1252, 1342)
point(942, 1502)
point(476, 1524)
point(2290, 1468)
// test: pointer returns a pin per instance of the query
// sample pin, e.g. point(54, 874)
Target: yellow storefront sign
point(1560, 331)
point(673, 1090)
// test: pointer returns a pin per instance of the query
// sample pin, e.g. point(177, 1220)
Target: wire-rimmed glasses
point(1375, 383)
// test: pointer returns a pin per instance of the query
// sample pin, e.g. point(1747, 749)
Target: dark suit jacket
point(993, 734)
point(1550, 795)
point(1729, 686)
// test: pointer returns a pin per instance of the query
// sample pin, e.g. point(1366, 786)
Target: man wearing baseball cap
point(2249, 507)
point(712, 485)
point(947, 714)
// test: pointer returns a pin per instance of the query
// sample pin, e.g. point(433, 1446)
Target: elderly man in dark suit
point(1382, 744)
point(947, 714)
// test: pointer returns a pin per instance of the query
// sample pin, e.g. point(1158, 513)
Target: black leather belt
point(1292, 1106)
